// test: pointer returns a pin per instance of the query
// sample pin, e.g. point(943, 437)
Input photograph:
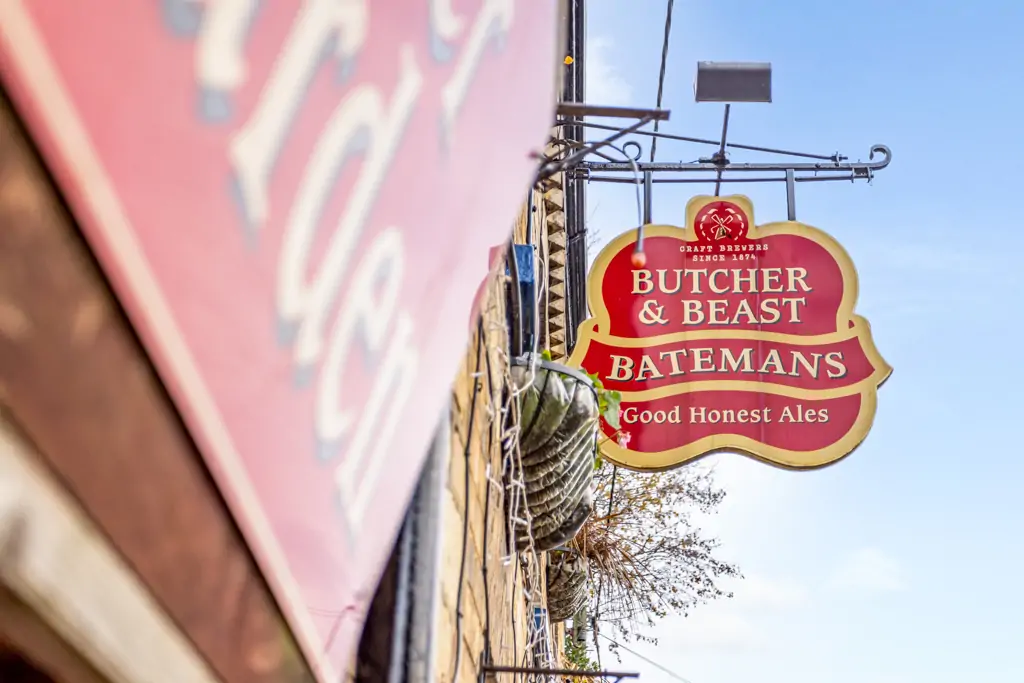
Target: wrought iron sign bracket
point(859, 170)
point(821, 168)
point(604, 171)
point(572, 113)
point(614, 676)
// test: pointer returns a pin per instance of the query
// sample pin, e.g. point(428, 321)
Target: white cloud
point(754, 494)
point(737, 624)
point(927, 258)
point(710, 629)
point(870, 569)
point(605, 84)
point(887, 678)
point(759, 592)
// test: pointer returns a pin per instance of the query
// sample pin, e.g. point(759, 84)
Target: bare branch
point(647, 556)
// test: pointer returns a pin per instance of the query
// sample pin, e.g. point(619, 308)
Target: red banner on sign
point(731, 337)
point(294, 200)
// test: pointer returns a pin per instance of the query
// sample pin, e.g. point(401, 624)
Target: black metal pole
point(648, 196)
point(575, 199)
point(400, 623)
point(721, 149)
point(791, 194)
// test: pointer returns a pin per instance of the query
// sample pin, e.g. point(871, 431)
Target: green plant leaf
point(610, 411)
point(607, 401)
point(577, 656)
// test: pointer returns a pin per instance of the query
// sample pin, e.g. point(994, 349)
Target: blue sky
point(903, 563)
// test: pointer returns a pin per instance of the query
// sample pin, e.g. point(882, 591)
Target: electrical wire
point(483, 570)
point(487, 655)
point(508, 402)
point(467, 499)
point(661, 73)
point(615, 470)
point(512, 609)
point(653, 663)
point(518, 472)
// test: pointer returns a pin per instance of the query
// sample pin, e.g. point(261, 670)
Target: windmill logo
point(720, 221)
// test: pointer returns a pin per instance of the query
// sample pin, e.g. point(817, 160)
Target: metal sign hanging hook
point(790, 194)
point(648, 197)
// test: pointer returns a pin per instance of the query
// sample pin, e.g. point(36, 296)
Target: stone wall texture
point(496, 588)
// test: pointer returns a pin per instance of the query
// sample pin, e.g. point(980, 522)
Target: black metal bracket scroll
point(569, 152)
point(572, 114)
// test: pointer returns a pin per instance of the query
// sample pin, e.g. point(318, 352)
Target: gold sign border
point(867, 388)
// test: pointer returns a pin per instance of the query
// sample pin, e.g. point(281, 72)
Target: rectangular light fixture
point(733, 82)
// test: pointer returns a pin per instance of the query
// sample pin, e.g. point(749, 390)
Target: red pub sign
point(294, 200)
point(731, 337)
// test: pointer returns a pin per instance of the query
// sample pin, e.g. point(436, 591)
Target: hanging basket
point(567, 583)
point(558, 441)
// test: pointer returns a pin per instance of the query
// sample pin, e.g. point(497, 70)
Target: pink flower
point(624, 438)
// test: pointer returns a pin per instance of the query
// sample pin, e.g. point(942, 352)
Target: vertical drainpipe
point(425, 586)
point(576, 205)
point(400, 621)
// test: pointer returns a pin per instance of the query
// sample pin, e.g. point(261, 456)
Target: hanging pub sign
point(730, 336)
